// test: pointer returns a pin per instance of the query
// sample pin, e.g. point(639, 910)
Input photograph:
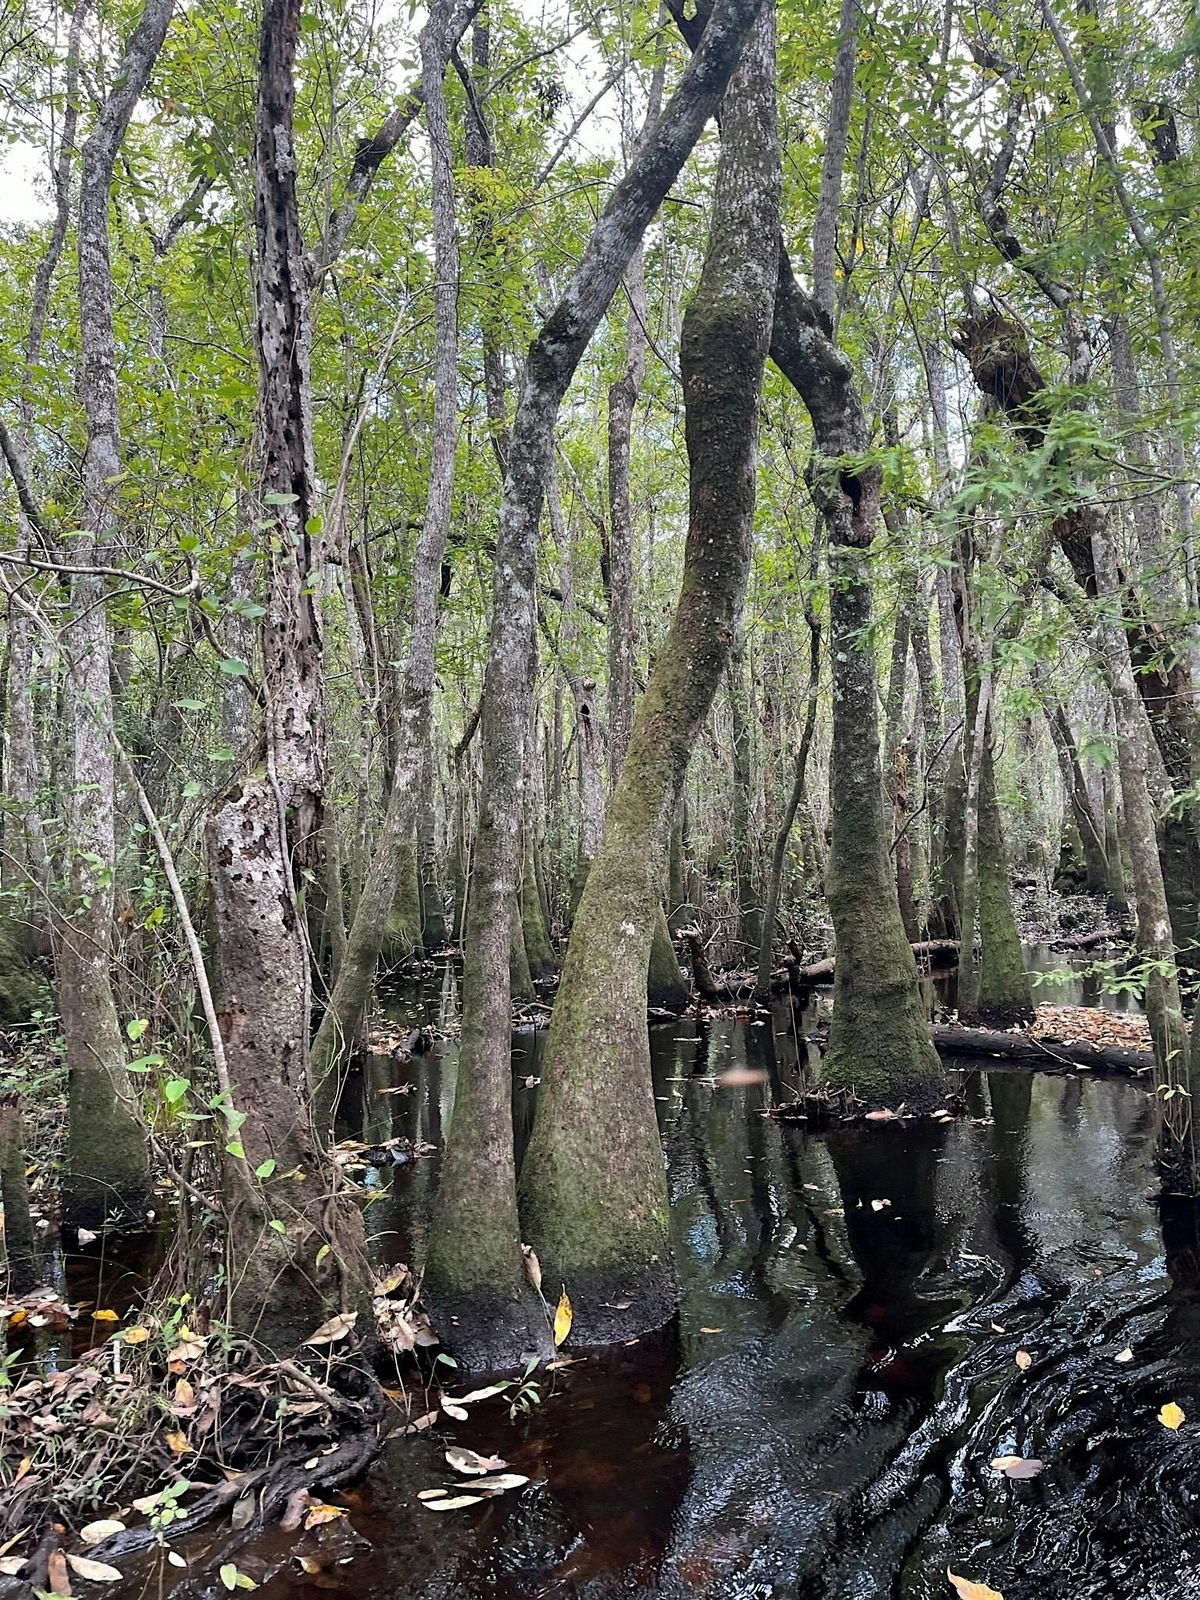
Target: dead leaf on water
point(1171, 1416)
point(972, 1591)
point(454, 1503)
point(1024, 1360)
point(106, 1315)
point(468, 1461)
point(1124, 1355)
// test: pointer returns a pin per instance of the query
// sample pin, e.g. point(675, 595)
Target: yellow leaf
point(178, 1442)
point(105, 1316)
point(562, 1318)
point(1024, 1360)
point(136, 1335)
point(972, 1591)
point(318, 1514)
point(1171, 1415)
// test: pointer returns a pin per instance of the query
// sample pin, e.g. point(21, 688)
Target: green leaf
point(277, 1225)
point(265, 1168)
point(144, 1063)
point(175, 1088)
point(136, 1027)
point(234, 1148)
point(191, 789)
point(233, 668)
point(280, 499)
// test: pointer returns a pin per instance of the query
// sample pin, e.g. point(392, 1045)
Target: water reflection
point(820, 1422)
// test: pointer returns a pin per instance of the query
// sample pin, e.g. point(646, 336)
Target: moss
point(520, 979)
point(879, 1040)
point(665, 984)
point(22, 991)
point(1005, 996)
point(402, 938)
point(538, 949)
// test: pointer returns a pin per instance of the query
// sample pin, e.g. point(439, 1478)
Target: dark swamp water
point(821, 1420)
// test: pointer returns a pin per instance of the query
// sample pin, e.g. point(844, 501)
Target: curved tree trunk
point(592, 1186)
point(107, 1172)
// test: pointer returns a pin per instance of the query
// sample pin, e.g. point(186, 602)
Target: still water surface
point(820, 1423)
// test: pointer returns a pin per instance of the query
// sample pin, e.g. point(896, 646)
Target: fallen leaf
point(336, 1328)
point(454, 1503)
point(321, 1513)
point(242, 1512)
point(502, 1480)
point(57, 1575)
point(1024, 1360)
point(178, 1442)
point(879, 1205)
point(137, 1335)
point(879, 1116)
point(451, 1410)
point(479, 1394)
point(1171, 1416)
point(97, 1532)
point(432, 1494)
point(12, 1566)
point(106, 1316)
point(176, 1559)
point(93, 1571)
point(86, 1235)
point(712, 1330)
point(464, 1460)
point(1124, 1355)
point(972, 1591)
point(562, 1318)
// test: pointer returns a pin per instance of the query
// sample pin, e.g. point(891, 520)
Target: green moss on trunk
point(1005, 996)
point(538, 949)
point(402, 939)
point(665, 984)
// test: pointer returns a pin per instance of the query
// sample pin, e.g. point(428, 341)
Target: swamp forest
point(600, 799)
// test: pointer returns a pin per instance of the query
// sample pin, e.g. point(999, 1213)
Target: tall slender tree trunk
point(267, 830)
point(107, 1171)
point(345, 1014)
point(474, 1268)
point(593, 1186)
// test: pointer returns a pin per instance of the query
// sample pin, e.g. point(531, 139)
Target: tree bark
point(593, 1185)
point(341, 1025)
point(267, 830)
point(107, 1170)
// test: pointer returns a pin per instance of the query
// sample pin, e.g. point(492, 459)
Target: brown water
point(821, 1421)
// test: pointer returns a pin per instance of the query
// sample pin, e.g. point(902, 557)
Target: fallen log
point(952, 1039)
point(938, 952)
point(721, 991)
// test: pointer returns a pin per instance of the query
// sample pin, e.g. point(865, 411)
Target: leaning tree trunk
point(474, 1268)
point(267, 829)
point(593, 1187)
point(107, 1170)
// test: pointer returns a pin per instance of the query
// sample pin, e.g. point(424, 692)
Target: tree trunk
point(1005, 996)
point(341, 1025)
point(593, 1186)
point(107, 1171)
point(268, 828)
point(749, 908)
point(474, 1268)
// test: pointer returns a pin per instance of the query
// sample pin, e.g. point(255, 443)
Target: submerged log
point(1089, 941)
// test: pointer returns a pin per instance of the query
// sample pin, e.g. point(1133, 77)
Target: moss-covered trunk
point(474, 1268)
point(1005, 996)
point(593, 1186)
